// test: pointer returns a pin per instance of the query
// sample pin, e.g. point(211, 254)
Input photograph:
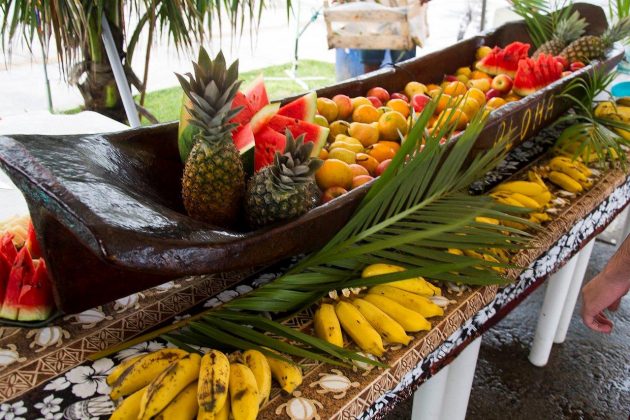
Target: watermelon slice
point(256, 94)
point(263, 116)
point(5, 270)
point(244, 141)
point(7, 248)
point(504, 60)
point(31, 242)
point(246, 113)
point(36, 301)
point(22, 271)
point(533, 75)
point(268, 141)
point(303, 108)
point(313, 133)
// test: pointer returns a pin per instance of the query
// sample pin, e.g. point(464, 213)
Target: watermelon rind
point(36, 299)
point(313, 132)
point(245, 143)
point(303, 108)
point(256, 94)
point(503, 60)
point(263, 116)
point(21, 272)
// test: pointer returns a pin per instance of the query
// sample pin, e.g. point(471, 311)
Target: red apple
point(450, 78)
point(382, 166)
point(419, 101)
point(501, 83)
point(360, 180)
point(375, 101)
point(576, 65)
point(333, 192)
point(492, 93)
point(562, 60)
point(380, 93)
point(344, 106)
point(398, 95)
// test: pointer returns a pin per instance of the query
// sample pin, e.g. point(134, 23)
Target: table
point(48, 370)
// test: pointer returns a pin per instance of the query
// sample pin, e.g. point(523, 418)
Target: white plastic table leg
point(574, 291)
point(460, 378)
point(427, 400)
point(555, 296)
point(626, 224)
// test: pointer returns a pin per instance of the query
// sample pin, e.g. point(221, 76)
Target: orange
point(365, 114)
point(390, 124)
point(368, 162)
point(478, 95)
point(453, 116)
point(358, 101)
point(455, 88)
point(334, 173)
point(400, 106)
point(327, 108)
point(381, 152)
point(477, 74)
point(496, 102)
point(358, 170)
point(323, 154)
point(445, 101)
point(463, 70)
point(470, 106)
point(393, 144)
point(512, 97)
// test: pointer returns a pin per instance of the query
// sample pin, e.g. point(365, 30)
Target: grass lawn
point(165, 104)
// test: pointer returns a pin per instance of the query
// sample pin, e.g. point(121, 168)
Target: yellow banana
point(259, 366)
point(212, 388)
point(455, 251)
point(122, 366)
point(288, 375)
point(139, 374)
point(416, 303)
point(523, 187)
point(183, 407)
point(359, 329)
point(506, 199)
point(625, 134)
point(380, 269)
point(493, 259)
point(410, 320)
point(130, 406)
point(417, 285)
point(168, 384)
point(539, 217)
point(389, 329)
point(533, 176)
point(488, 220)
point(565, 182)
point(526, 201)
point(557, 164)
point(244, 397)
point(223, 414)
point(543, 199)
point(579, 165)
point(327, 325)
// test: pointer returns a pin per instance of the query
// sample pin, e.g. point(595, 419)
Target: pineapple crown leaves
point(295, 164)
point(542, 18)
point(570, 29)
point(620, 31)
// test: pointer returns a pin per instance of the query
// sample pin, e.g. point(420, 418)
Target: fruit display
point(566, 31)
point(590, 47)
point(173, 383)
point(618, 111)
point(25, 286)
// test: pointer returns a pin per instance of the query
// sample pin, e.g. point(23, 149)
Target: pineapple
point(590, 47)
point(286, 189)
point(213, 183)
point(566, 31)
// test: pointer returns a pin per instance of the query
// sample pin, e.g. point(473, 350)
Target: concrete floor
point(587, 377)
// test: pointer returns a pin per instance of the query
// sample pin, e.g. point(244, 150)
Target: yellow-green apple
point(502, 83)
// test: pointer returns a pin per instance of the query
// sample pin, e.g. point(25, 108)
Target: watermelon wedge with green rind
point(533, 75)
point(36, 300)
point(21, 271)
point(7, 248)
point(263, 116)
point(256, 94)
point(245, 143)
point(313, 133)
point(303, 108)
point(268, 142)
point(246, 113)
point(503, 60)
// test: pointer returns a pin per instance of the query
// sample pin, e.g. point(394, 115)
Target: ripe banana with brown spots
point(212, 388)
point(244, 399)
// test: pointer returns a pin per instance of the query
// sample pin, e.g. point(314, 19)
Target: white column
point(459, 384)
point(549, 317)
point(427, 400)
point(626, 224)
point(574, 291)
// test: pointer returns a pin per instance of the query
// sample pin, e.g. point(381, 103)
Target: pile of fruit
point(25, 287)
point(174, 384)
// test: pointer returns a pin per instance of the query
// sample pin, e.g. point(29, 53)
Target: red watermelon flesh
point(7, 248)
point(31, 242)
point(533, 75)
point(22, 271)
point(524, 80)
point(256, 94)
point(303, 108)
point(268, 141)
point(243, 138)
point(263, 116)
point(313, 133)
point(5, 270)
point(36, 301)
point(504, 60)
point(246, 113)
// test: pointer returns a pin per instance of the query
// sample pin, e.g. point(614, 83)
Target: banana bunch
point(619, 111)
point(570, 175)
point(383, 315)
point(175, 384)
point(576, 140)
point(532, 194)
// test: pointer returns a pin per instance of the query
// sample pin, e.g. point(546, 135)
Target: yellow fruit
point(336, 128)
point(365, 114)
point(334, 173)
point(533, 176)
point(342, 154)
point(482, 84)
point(358, 170)
point(359, 329)
point(455, 88)
point(579, 165)
point(368, 162)
point(482, 52)
point(327, 325)
point(183, 406)
point(347, 144)
point(414, 88)
point(327, 108)
point(417, 303)
point(288, 375)
point(214, 375)
point(466, 71)
point(259, 366)
point(358, 101)
point(539, 217)
point(543, 199)
point(410, 320)
point(381, 151)
point(487, 220)
point(380, 269)
point(495, 102)
point(477, 95)
point(323, 154)
point(130, 407)
point(367, 134)
point(122, 366)
point(392, 125)
point(244, 397)
point(452, 116)
point(560, 165)
point(455, 251)
point(469, 106)
point(321, 121)
point(414, 285)
point(512, 98)
point(526, 201)
point(524, 187)
point(400, 106)
point(565, 182)
point(444, 102)
point(389, 329)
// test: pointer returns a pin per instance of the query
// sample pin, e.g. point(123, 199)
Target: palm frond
point(542, 17)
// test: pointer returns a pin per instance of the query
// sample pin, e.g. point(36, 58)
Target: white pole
point(574, 291)
point(119, 75)
point(549, 317)
point(427, 400)
point(461, 373)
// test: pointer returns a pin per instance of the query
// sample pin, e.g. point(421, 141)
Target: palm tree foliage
point(542, 17)
point(74, 27)
point(412, 215)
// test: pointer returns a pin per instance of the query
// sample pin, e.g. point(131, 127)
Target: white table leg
point(555, 296)
point(626, 225)
point(574, 291)
point(427, 400)
point(460, 378)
